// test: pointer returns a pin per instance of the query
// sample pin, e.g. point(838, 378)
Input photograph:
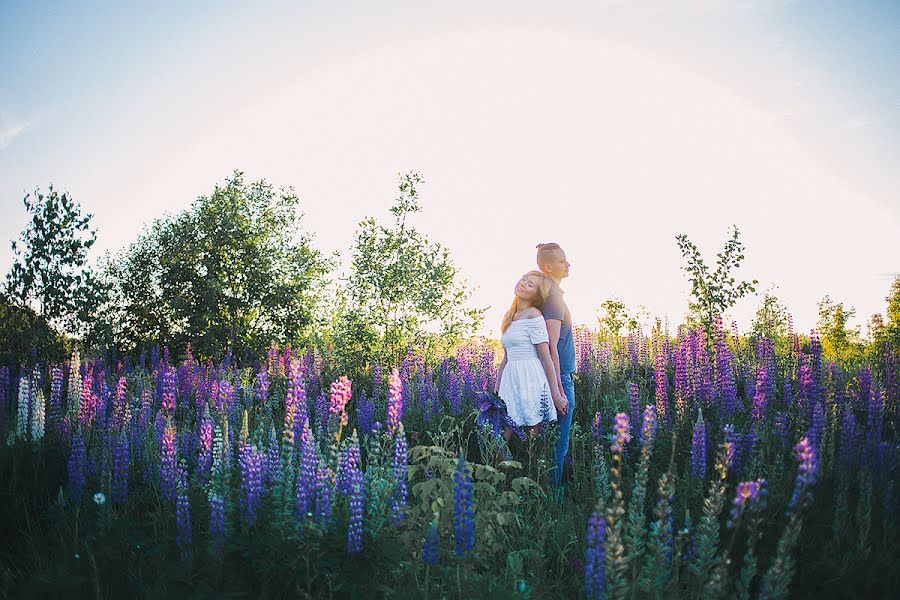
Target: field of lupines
point(702, 465)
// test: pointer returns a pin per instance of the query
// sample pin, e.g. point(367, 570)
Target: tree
point(50, 273)
point(714, 292)
point(893, 313)
point(771, 318)
point(402, 284)
point(232, 271)
point(837, 339)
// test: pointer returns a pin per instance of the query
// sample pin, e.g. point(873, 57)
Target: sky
point(608, 127)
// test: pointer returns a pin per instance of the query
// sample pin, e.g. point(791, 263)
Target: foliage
point(837, 339)
point(22, 331)
point(714, 292)
point(402, 283)
point(771, 318)
point(50, 271)
point(232, 271)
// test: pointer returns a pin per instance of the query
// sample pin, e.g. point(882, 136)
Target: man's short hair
point(544, 251)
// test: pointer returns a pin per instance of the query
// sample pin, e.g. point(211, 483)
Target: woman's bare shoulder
point(532, 313)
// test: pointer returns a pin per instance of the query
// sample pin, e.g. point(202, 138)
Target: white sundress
point(524, 386)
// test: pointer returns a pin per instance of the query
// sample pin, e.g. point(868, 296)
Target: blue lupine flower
point(464, 523)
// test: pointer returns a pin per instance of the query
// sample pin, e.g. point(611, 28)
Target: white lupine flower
point(37, 416)
point(22, 416)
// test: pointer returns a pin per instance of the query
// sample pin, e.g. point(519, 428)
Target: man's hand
point(561, 403)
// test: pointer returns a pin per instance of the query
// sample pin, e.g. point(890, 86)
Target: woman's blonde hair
point(540, 296)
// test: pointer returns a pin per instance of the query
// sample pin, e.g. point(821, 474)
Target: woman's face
point(527, 288)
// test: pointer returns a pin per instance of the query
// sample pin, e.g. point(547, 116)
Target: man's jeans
point(565, 425)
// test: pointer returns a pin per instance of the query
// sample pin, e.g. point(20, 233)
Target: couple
point(539, 352)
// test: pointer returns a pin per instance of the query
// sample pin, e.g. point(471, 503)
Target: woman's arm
point(500, 372)
point(559, 399)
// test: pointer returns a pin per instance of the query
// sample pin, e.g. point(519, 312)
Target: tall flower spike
point(357, 506)
point(698, 448)
point(394, 401)
point(431, 548)
point(464, 524)
point(595, 555)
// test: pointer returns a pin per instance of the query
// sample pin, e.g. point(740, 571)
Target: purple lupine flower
point(167, 473)
point(365, 414)
point(734, 439)
point(807, 469)
point(698, 448)
point(662, 391)
point(306, 476)
point(595, 556)
point(205, 443)
point(648, 426)
point(376, 381)
point(340, 394)
point(597, 427)
point(394, 401)
point(183, 513)
point(301, 406)
point(399, 461)
point(120, 470)
point(817, 428)
point(357, 506)
point(682, 386)
point(848, 439)
point(273, 454)
point(758, 408)
point(749, 494)
point(251, 483)
point(725, 386)
point(348, 464)
point(454, 392)
point(322, 408)
point(621, 432)
point(781, 428)
point(865, 388)
point(75, 468)
point(167, 406)
point(261, 387)
point(874, 418)
point(323, 494)
point(815, 351)
point(463, 508)
point(805, 391)
point(431, 548)
point(634, 400)
point(54, 412)
point(217, 522)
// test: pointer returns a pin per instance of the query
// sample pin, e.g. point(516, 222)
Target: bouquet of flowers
point(492, 413)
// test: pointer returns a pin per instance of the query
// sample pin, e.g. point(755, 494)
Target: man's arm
point(553, 327)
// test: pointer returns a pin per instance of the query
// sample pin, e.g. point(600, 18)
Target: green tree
point(837, 339)
point(22, 331)
point(50, 274)
point(232, 271)
point(893, 313)
point(402, 284)
point(716, 291)
point(771, 318)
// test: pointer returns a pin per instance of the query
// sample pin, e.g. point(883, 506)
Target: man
point(552, 262)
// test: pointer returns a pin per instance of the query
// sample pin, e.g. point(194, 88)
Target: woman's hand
point(561, 403)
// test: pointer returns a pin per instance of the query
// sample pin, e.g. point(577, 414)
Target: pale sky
point(609, 127)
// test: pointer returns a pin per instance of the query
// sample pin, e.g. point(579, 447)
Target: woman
point(527, 369)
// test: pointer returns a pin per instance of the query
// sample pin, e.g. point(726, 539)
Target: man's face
point(557, 265)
